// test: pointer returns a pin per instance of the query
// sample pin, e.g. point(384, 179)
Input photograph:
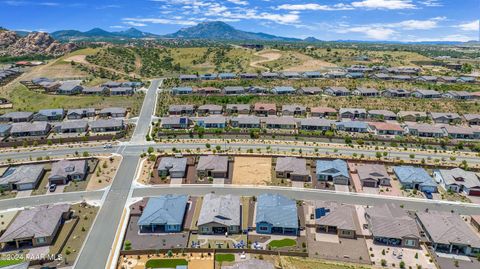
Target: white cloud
point(470, 26)
point(417, 24)
point(313, 6)
point(377, 33)
point(238, 2)
point(431, 3)
point(384, 4)
point(158, 21)
point(136, 24)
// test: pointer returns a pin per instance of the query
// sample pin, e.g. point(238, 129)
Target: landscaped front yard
point(165, 263)
point(287, 242)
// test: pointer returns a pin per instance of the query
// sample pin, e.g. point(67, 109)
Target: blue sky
point(395, 20)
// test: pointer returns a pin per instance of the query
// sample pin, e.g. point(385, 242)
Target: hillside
point(222, 31)
point(35, 43)
point(100, 34)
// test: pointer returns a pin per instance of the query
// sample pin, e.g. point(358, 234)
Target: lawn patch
point(7, 262)
point(224, 257)
point(165, 263)
point(287, 242)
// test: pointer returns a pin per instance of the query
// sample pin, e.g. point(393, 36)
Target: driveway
point(21, 194)
point(343, 188)
point(59, 189)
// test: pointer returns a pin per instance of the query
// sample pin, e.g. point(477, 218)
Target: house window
point(41, 240)
point(263, 228)
point(205, 229)
point(410, 242)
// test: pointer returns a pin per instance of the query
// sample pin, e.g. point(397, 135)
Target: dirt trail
point(267, 56)
point(81, 59)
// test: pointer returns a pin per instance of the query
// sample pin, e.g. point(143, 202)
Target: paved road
point(148, 109)
point(68, 197)
point(310, 194)
point(96, 250)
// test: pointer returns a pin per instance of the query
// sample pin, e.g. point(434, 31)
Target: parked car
point(52, 187)
point(428, 195)
point(107, 146)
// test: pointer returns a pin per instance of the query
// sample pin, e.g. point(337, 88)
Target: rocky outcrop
point(33, 44)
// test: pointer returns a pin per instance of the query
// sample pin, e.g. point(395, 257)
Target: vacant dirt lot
point(252, 171)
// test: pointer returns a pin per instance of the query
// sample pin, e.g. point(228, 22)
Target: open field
point(291, 61)
point(26, 100)
point(252, 171)
point(302, 263)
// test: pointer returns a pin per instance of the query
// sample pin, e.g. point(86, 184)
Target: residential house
point(352, 126)
point(263, 109)
point(293, 110)
point(283, 90)
point(382, 115)
point(412, 116)
point(461, 132)
point(80, 113)
point(174, 122)
point(17, 116)
point(215, 166)
point(335, 171)
point(449, 233)
point(112, 84)
point(100, 90)
point(163, 214)
point(458, 180)
point(248, 76)
point(402, 77)
point(337, 91)
point(391, 225)
point(257, 90)
point(380, 76)
point(227, 76)
point(335, 218)
point(172, 166)
point(290, 74)
point(312, 74)
point(210, 110)
point(396, 93)
point(65, 171)
point(72, 127)
point(310, 90)
point(415, 178)
point(276, 122)
point(315, 124)
point(353, 113)
point(445, 118)
point(355, 75)
point(424, 130)
point(385, 128)
point(182, 90)
point(118, 91)
point(270, 75)
point(70, 88)
point(188, 77)
point(245, 122)
point(459, 95)
point(208, 76)
point(426, 94)
point(366, 92)
point(108, 125)
point(336, 74)
point(472, 119)
point(207, 90)
point(22, 177)
point(220, 214)
point(466, 80)
point(373, 175)
point(36, 226)
point(230, 90)
point(49, 115)
point(429, 79)
point(5, 130)
point(209, 122)
point(292, 168)
point(276, 214)
point(447, 79)
point(238, 109)
point(322, 112)
point(113, 112)
point(179, 110)
point(26, 129)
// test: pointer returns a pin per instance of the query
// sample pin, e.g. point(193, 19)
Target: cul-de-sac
point(240, 134)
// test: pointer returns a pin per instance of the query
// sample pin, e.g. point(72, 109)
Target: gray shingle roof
point(29, 127)
point(64, 168)
point(215, 163)
point(22, 174)
point(446, 227)
point(17, 115)
point(36, 222)
point(106, 123)
point(294, 165)
point(164, 210)
point(332, 167)
point(411, 174)
point(223, 209)
point(460, 177)
point(340, 215)
point(390, 221)
point(173, 164)
point(277, 210)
